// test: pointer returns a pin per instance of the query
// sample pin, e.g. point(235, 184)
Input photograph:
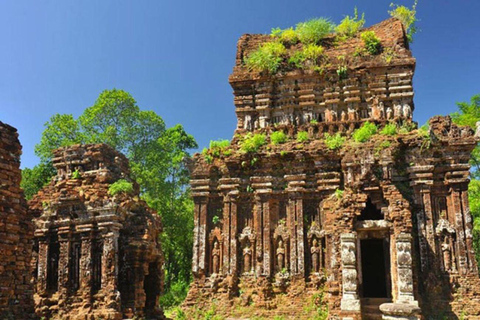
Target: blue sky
point(174, 57)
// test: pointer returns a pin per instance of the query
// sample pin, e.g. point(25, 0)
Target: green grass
point(120, 186)
point(349, 26)
point(371, 42)
point(365, 132)
point(308, 56)
point(267, 57)
point(389, 130)
point(302, 136)
point(251, 143)
point(334, 142)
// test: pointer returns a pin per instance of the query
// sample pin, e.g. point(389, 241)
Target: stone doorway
point(375, 261)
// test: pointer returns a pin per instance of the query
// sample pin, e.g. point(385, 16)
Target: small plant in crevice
point(215, 219)
point(249, 189)
point(342, 72)
point(286, 36)
point(308, 57)
point(339, 193)
point(371, 42)
point(314, 121)
point(76, 174)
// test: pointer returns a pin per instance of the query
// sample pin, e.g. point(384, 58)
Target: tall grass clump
point(314, 30)
point(267, 57)
point(365, 132)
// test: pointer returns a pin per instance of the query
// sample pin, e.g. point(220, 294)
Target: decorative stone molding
point(350, 301)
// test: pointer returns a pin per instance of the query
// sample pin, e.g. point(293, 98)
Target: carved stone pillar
point(200, 235)
point(350, 301)
point(456, 202)
point(110, 261)
point(403, 245)
point(229, 233)
point(86, 265)
point(262, 221)
point(468, 231)
point(297, 250)
point(63, 271)
point(42, 266)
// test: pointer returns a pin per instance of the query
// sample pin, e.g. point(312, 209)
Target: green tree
point(158, 157)
point(36, 178)
point(468, 114)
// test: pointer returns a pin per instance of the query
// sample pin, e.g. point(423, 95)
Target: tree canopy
point(157, 157)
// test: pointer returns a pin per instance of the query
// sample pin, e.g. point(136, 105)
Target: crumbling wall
point(16, 232)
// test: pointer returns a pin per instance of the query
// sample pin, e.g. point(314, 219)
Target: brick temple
point(16, 232)
point(374, 229)
point(96, 255)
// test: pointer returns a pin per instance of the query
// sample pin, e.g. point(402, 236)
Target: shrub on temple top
point(335, 141)
point(287, 36)
point(350, 26)
point(218, 146)
point(267, 57)
point(120, 186)
point(314, 30)
point(371, 42)
point(407, 17)
point(251, 143)
point(365, 132)
point(278, 137)
point(309, 55)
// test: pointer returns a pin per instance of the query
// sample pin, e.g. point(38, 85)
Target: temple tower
point(97, 251)
point(370, 228)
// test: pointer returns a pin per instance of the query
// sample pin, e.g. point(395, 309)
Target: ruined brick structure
point(16, 232)
point(371, 230)
point(97, 255)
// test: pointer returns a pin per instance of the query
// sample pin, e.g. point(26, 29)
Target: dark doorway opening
point(370, 212)
point(375, 262)
point(151, 285)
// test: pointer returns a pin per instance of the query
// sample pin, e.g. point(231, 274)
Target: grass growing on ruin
point(389, 130)
point(365, 132)
point(371, 42)
point(120, 186)
point(314, 30)
point(302, 136)
point(251, 143)
point(278, 137)
point(267, 57)
point(309, 56)
point(334, 142)
point(349, 26)
point(287, 36)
